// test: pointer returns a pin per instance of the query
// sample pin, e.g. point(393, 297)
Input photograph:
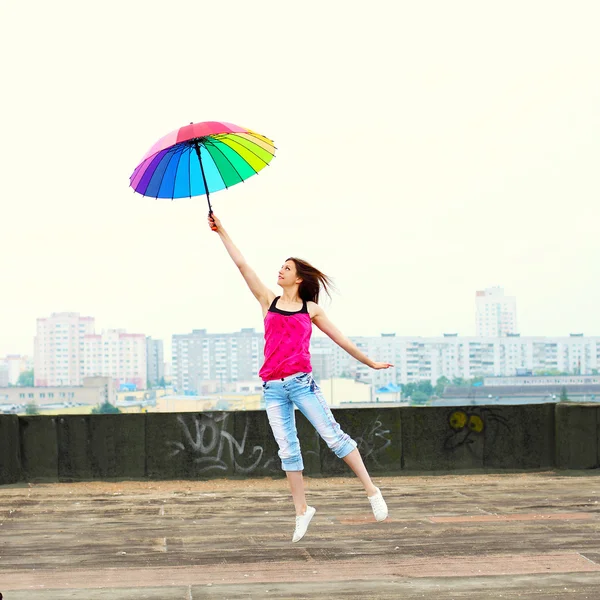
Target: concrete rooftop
point(476, 536)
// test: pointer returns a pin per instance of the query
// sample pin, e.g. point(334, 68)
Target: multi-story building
point(116, 354)
point(94, 390)
point(496, 313)
point(200, 357)
point(67, 349)
point(417, 359)
point(13, 365)
point(155, 361)
point(58, 349)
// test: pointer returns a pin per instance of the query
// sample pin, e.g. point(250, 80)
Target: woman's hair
point(312, 281)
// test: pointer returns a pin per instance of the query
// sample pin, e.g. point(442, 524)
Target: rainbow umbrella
point(201, 158)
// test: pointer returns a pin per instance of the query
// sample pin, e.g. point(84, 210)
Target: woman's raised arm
point(321, 320)
point(263, 294)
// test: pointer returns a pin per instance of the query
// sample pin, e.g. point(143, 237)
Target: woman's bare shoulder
point(314, 310)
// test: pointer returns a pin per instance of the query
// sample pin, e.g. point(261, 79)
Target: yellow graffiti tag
point(458, 419)
point(476, 423)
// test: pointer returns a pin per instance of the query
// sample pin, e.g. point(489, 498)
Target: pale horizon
point(424, 151)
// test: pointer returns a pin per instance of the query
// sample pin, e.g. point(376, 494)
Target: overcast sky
point(425, 150)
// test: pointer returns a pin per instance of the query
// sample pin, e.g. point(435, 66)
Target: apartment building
point(58, 349)
point(117, 354)
point(496, 314)
point(418, 358)
point(199, 358)
point(67, 349)
point(11, 367)
point(155, 361)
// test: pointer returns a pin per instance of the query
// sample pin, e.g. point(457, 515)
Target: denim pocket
point(302, 378)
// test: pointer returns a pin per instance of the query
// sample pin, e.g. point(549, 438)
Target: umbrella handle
point(197, 147)
point(210, 212)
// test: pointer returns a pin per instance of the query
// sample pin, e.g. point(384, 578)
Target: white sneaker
point(302, 522)
point(380, 509)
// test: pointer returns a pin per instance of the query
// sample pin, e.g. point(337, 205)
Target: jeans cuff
point(292, 465)
point(348, 447)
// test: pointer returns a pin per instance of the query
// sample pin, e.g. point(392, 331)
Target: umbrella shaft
point(203, 176)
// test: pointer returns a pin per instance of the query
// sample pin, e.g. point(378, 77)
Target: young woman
point(286, 372)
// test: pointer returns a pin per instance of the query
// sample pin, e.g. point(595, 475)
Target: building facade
point(201, 357)
point(418, 359)
point(496, 314)
point(67, 349)
point(93, 391)
point(116, 354)
point(13, 365)
point(58, 349)
point(155, 361)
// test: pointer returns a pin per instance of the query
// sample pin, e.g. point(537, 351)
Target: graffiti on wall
point(206, 437)
point(373, 440)
point(467, 425)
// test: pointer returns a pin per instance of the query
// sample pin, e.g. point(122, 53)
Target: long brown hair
point(312, 281)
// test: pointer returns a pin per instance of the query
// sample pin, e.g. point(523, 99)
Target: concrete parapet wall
point(10, 449)
point(240, 444)
point(39, 448)
point(577, 436)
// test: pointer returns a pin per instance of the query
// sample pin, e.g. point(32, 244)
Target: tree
point(425, 387)
point(105, 408)
point(408, 389)
point(31, 409)
point(563, 394)
point(549, 372)
point(162, 383)
point(419, 397)
point(25, 379)
point(440, 384)
point(421, 388)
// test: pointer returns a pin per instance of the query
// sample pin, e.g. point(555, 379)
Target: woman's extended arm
point(321, 320)
point(263, 294)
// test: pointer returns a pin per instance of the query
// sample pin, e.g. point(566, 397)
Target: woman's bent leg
point(309, 399)
point(355, 462)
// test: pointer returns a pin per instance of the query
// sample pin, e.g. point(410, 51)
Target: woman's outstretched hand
point(381, 365)
point(213, 222)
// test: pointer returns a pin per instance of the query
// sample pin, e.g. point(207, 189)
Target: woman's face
point(287, 274)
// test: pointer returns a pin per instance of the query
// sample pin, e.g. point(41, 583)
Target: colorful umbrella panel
point(201, 158)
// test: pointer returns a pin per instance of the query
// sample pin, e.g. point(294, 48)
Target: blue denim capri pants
point(301, 390)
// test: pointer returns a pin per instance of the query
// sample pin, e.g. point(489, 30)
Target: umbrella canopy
point(199, 159)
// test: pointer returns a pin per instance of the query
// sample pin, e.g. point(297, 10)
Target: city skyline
point(68, 349)
point(167, 337)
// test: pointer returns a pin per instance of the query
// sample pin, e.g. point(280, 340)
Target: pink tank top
point(287, 342)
